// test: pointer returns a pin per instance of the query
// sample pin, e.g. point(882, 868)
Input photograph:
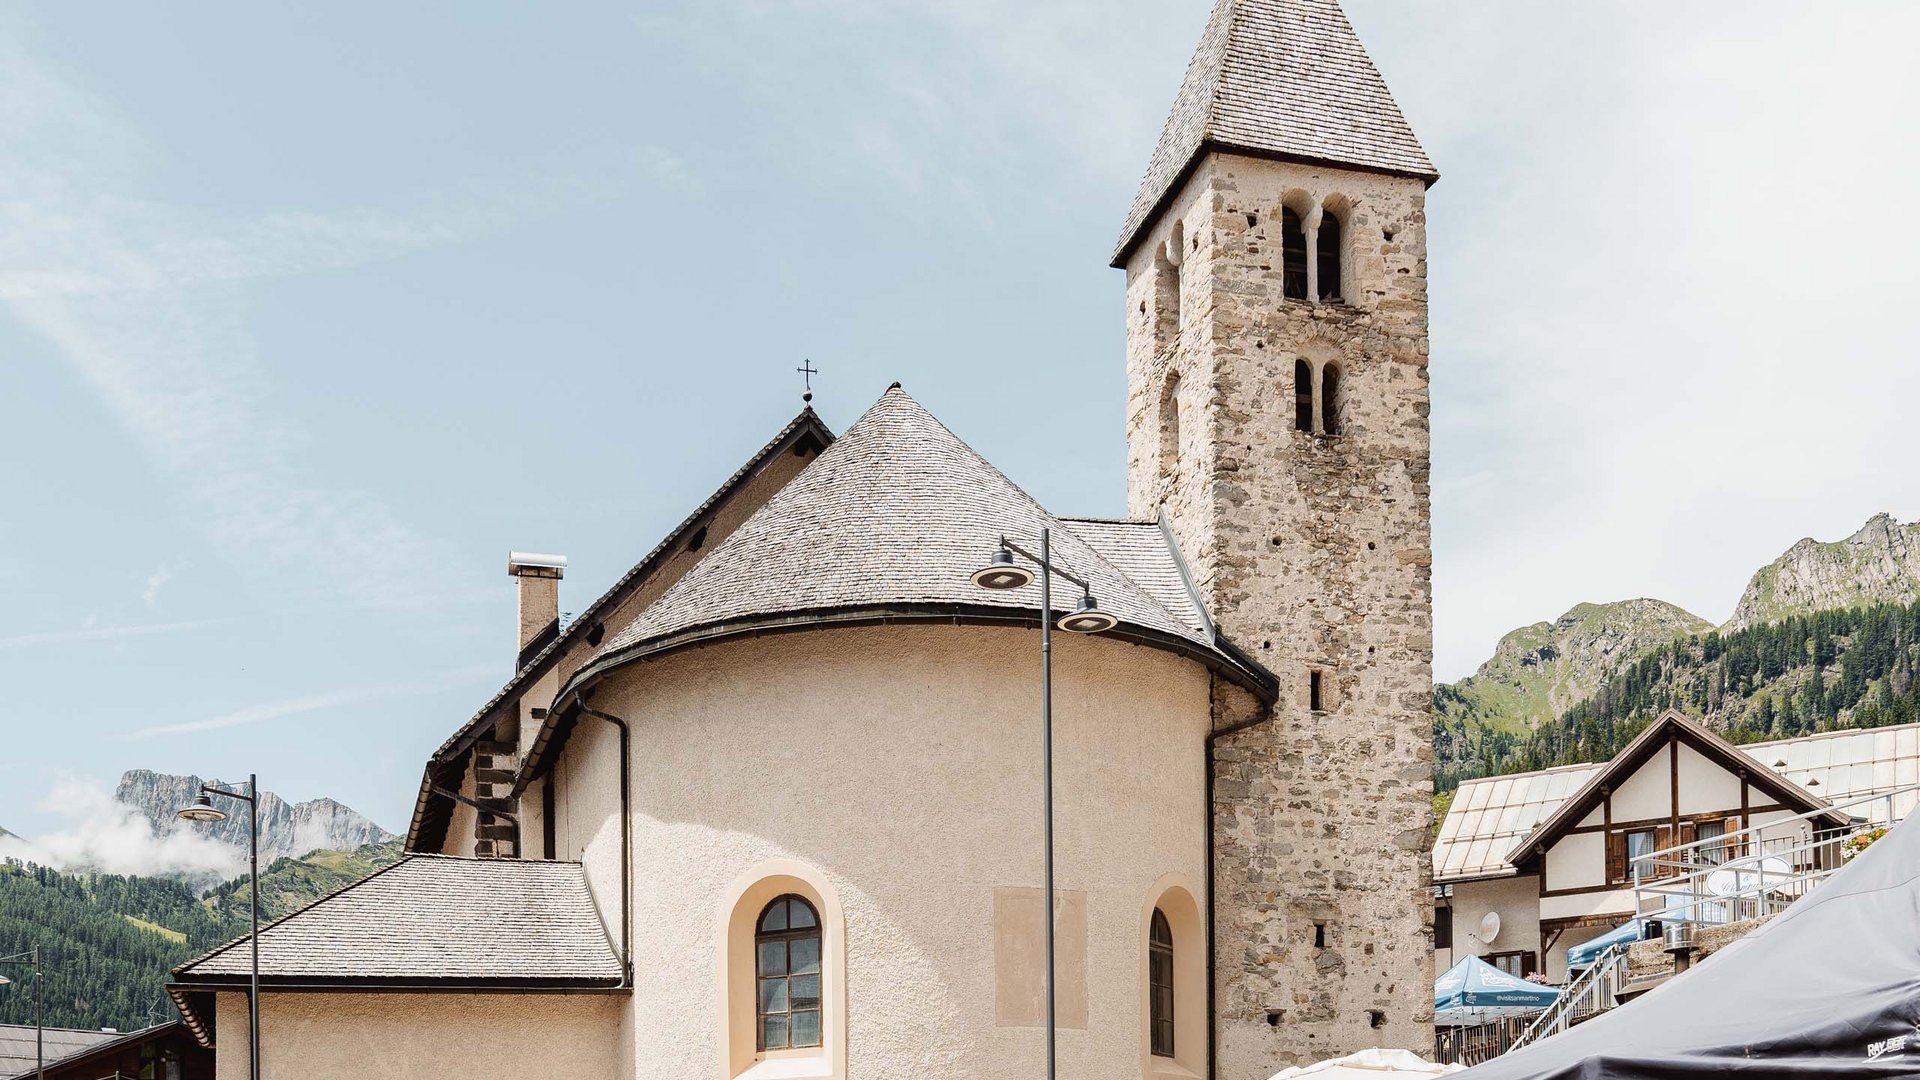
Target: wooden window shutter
point(1732, 842)
point(1527, 964)
point(1616, 856)
point(1689, 832)
point(1662, 840)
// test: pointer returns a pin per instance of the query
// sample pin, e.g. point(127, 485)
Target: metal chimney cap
point(533, 560)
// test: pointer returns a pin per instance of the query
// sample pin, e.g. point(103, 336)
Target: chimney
point(539, 600)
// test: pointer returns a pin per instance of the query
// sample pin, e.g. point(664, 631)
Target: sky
point(309, 314)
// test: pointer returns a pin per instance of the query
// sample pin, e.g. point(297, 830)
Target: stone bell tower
point(1277, 415)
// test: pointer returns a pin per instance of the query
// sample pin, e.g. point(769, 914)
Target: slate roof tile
point(433, 918)
point(1282, 77)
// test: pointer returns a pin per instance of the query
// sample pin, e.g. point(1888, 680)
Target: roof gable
point(805, 433)
point(1671, 726)
point(1280, 78)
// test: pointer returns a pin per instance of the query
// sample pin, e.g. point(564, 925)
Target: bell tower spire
point(1277, 416)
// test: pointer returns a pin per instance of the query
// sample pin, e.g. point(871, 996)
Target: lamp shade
point(1002, 573)
point(1087, 618)
point(202, 810)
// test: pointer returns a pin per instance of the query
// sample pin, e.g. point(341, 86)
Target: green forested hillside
point(107, 940)
point(1847, 668)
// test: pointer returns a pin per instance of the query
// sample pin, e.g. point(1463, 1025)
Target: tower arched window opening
point(1293, 255)
point(1326, 262)
point(1302, 396)
point(1330, 399)
point(1170, 425)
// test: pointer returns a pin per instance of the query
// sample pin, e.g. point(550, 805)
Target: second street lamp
point(1001, 574)
point(204, 810)
point(32, 956)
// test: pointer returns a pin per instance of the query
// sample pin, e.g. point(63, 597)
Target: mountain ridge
point(287, 830)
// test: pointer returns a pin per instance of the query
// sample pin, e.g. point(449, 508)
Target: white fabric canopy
point(1372, 1064)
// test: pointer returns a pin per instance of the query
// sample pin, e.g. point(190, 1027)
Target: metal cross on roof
point(807, 372)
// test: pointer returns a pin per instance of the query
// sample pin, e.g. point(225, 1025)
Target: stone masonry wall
point(1314, 552)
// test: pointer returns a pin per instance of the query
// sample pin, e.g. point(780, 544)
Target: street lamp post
point(1003, 573)
point(32, 956)
point(204, 810)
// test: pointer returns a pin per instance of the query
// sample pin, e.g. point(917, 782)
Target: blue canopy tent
point(1475, 992)
point(1585, 953)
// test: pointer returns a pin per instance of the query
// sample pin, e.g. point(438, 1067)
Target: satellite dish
point(1489, 926)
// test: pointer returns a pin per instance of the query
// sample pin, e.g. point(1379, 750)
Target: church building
point(770, 807)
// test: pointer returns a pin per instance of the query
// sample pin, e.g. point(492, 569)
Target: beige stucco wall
point(1515, 899)
point(902, 764)
point(1705, 786)
point(1648, 793)
point(326, 1036)
point(1582, 905)
point(1576, 861)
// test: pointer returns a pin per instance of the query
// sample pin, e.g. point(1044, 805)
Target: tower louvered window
point(786, 946)
point(1293, 256)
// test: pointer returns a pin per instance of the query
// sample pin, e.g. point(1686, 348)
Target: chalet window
point(1160, 984)
point(1302, 396)
point(1711, 853)
point(1326, 263)
point(1293, 256)
point(1640, 844)
point(1517, 964)
point(787, 963)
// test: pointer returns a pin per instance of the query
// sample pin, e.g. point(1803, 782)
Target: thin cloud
point(150, 595)
point(145, 301)
point(103, 633)
point(266, 712)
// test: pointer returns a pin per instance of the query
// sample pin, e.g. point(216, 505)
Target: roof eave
point(1221, 655)
point(1131, 239)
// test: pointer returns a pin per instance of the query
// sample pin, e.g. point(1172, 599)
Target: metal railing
point(1476, 1044)
point(1756, 871)
point(1595, 991)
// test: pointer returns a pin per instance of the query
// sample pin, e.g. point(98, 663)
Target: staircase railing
point(1596, 990)
point(1756, 871)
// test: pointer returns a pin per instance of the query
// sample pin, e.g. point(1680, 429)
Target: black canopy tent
point(1829, 988)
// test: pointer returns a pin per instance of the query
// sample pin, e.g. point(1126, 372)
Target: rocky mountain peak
point(1539, 671)
point(291, 829)
point(1878, 564)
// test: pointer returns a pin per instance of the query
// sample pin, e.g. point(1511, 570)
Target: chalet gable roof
point(1671, 726)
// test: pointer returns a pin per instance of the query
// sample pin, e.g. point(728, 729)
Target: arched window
point(1293, 255)
point(1327, 258)
point(1160, 985)
point(1302, 396)
point(1170, 425)
point(786, 944)
point(1330, 399)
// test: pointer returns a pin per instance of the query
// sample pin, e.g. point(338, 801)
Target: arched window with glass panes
point(786, 945)
point(1160, 985)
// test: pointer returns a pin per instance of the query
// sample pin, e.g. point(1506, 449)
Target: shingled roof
point(895, 515)
point(427, 920)
point(1278, 78)
point(18, 1045)
point(888, 524)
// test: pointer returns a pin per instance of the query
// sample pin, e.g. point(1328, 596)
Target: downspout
point(1213, 1014)
point(626, 837)
point(482, 807)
